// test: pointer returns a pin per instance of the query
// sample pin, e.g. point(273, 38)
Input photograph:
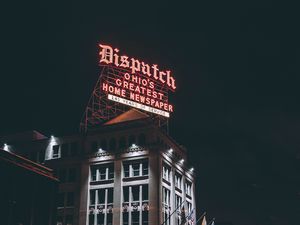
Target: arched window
point(142, 139)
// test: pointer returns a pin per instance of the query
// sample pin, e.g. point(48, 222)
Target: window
point(126, 194)
point(55, 153)
point(110, 195)
point(166, 196)
point(59, 220)
point(188, 188)
point(166, 172)
point(70, 199)
point(178, 201)
point(101, 199)
point(91, 219)
point(145, 220)
point(102, 172)
point(125, 218)
point(136, 168)
point(126, 170)
point(60, 200)
point(135, 190)
point(145, 191)
point(109, 218)
point(62, 175)
point(145, 168)
point(178, 181)
point(135, 218)
point(100, 219)
point(69, 219)
point(92, 197)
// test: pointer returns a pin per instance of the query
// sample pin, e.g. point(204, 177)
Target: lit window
point(136, 168)
point(102, 172)
point(55, 149)
point(166, 172)
point(188, 188)
point(101, 199)
point(178, 181)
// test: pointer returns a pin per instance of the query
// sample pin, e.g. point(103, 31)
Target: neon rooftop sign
point(136, 84)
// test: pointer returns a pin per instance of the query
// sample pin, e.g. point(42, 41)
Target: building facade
point(126, 172)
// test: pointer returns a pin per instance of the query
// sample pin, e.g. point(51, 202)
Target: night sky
point(237, 100)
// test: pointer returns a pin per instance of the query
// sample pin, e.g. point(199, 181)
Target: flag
point(182, 215)
point(203, 221)
point(191, 217)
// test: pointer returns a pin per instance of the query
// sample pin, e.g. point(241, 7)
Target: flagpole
point(172, 213)
point(203, 214)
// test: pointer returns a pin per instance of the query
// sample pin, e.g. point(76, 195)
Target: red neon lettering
point(118, 82)
point(124, 61)
point(155, 70)
point(106, 54)
point(161, 74)
point(135, 65)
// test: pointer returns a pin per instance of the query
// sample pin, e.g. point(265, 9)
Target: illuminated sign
point(136, 83)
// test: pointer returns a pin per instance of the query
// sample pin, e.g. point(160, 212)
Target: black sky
point(237, 104)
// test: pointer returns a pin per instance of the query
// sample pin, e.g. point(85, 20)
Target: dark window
point(64, 150)
point(126, 194)
point(145, 218)
point(70, 199)
point(92, 197)
point(145, 168)
point(142, 139)
point(122, 143)
point(100, 219)
point(102, 173)
point(94, 146)
point(62, 175)
point(101, 196)
point(131, 140)
point(126, 170)
point(59, 220)
point(112, 144)
point(74, 149)
point(55, 149)
point(104, 144)
point(135, 218)
point(72, 175)
point(135, 193)
point(111, 172)
point(145, 191)
point(93, 173)
point(69, 220)
point(110, 196)
point(91, 219)
point(60, 200)
point(125, 218)
point(136, 169)
point(109, 218)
